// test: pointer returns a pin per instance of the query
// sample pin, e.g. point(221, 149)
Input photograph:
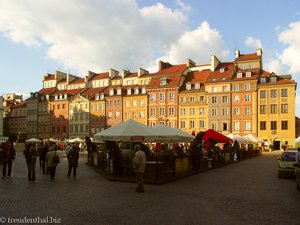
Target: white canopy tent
point(239, 139)
point(33, 140)
point(254, 138)
point(3, 139)
point(169, 134)
point(76, 140)
point(130, 130)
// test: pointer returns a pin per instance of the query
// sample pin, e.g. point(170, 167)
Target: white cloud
point(198, 45)
point(98, 35)
point(290, 55)
point(253, 43)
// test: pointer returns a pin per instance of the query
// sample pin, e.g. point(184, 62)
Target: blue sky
point(37, 37)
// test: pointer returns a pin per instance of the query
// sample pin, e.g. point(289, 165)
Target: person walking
point(139, 164)
point(44, 150)
point(73, 157)
point(52, 159)
point(31, 154)
point(9, 155)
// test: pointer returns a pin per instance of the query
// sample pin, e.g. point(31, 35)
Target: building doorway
point(276, 144)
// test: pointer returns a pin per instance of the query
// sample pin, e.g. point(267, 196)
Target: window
point(182, 112)
point(111, 92)
point(201, 111)
point(161, 111)
point(201, 124)
point(244, 66)
point(225, 126)
point(192, 99)
point(192, 124)
point(224, 88)
point(171, 96)
point(214, 125)
point(284, 125)
point(152, 97)
point(163, 81)
point(273, 108)
point(262, 80)
point(239, 75)
point(247, 98)
point(273, 93)
point(136, 91)
point(248, 74)
point(236, 111)
point(188, 86)
point(273, 125)
point(142, 103)
point(201, 98)
point(152, 111)
point(225, 112)
point(225, 99)
point(273, 79)
point(197, 85)
point(127, 115)
point(183, 99)
point(182, 124)
point(247, 111)
point(247, 87)
point(252, 66)
point(192, 111)
point(263, 109)
point(236, 126)
point(284, 108)
point(262, 125)
point(134, 115)
point(214, 100)
point(284, 93)
point(214, 112)
point(236, 87)
point(247, 125)
point(236, 98)
point(161, 96)
point(171, 111)
point(134, 103)
point(262, 94)
point(129, 91)
point(222, 70)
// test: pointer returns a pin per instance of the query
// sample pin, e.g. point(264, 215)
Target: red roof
point(254, 74)
point(49, 77)
point(64, 80)
point(46, 91)
point(246, 57)
point(218, 75)
point(131, 75)
point(78, 81)
point(91, 92)
point(68, 92)
point(176, 69)
point(100, 76)
point(20, 105)
point(172, 81)
point(195, 77)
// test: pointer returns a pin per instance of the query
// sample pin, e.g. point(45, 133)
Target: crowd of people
point(47, 155)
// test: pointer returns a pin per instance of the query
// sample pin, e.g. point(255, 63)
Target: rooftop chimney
point(163, 65)
point(259, 52)
point(113, 73)
point(142, 71)
point(190, 63)
point(237, 53)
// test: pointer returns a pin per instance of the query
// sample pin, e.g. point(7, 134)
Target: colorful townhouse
point(17, 120)
point(163, 91)
point(192, 105)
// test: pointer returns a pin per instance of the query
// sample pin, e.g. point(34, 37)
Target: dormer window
point(102, 96)
point(262, 80)
point(128, 91)
point(188, 86)
point(252, 66)
point(222, 70)
point(47, 97)
point(97, 97)
point(244, 66)
point(248, 74)
point(273, 79)
point(111, 92)
point(66, 96)
point(239, 75)
point(197, 85)
point(136, 91)
point(163, 81)
point(55, 97)
point(119, 91)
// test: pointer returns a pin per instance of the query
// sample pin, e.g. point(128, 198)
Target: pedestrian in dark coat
point(31, 155)
point(9, 155)
point(43, 153)
point(73, 157)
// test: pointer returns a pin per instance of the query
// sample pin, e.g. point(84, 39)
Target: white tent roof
point(33, 140)
point(126, 131)
point(169, 134)
point(238, 138)
point(254, 138)
point(74, 140)
point(3, 139)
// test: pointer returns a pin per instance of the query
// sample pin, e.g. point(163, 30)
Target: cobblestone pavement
point(247, 192)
